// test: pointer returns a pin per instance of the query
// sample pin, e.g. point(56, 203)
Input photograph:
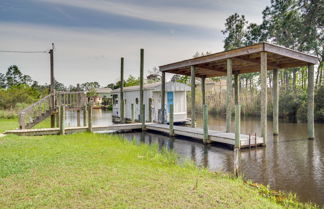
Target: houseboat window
point(136, 100)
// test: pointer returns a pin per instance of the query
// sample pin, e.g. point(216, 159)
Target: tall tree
point(234, 31)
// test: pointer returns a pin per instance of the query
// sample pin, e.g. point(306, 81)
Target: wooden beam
point(163, 98)
point(237, 109)
point(121, 102)
point(142, 110)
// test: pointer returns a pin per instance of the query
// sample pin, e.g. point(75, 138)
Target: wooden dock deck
point(197, 133)
point(214, 136)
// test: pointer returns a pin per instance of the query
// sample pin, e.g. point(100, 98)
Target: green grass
point(11, 124)
point(106, 171)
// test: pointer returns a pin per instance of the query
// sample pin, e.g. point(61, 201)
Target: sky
point(91, 36)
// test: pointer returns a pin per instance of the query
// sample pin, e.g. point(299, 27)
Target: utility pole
point(52, 85)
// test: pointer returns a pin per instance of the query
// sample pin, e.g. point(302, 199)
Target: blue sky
point(90, 36)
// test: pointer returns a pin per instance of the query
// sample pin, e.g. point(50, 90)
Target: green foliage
point(234, 31)
point(87, 86)
point(132, 81)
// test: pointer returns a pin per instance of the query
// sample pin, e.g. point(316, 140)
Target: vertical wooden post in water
point(90, 117)
point(236, 161)
point(193, 96)
point(85, 115)
point(163, 98)
point(310, 103)
point(263, 78)
point(121, 102)
point(141, 88)
point(52, 87)
point(229, 95)
point(62, 117)
point(205, 118)
point(143, 117)
point(171, 119)
point(237, 110)
point(275, 102)
point(203, 90)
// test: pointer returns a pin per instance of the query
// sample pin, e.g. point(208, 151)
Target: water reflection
point(290, 162)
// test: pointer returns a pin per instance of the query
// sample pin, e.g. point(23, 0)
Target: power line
point(29, 52)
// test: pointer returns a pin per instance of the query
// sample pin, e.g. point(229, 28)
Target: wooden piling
point(237, 110)
point(263, 78)
point(171, 120)
point(58, 118)
point(78, 118)
point(275, 102)
point(142, 111)
point(203, 90)
point(85, 115)
point(205, 125)
point(310, 103)
point(229, 95)
point(132, 113)
point(236, 161)
point(62, 117)
point(121, 102)
point(150, 110)
point(52, 85)
point(143, 117)
point(90, 117)
point(163, 98)
point(193, 96)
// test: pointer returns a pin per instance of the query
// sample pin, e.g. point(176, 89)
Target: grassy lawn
point(10, 124)
point(106, 171)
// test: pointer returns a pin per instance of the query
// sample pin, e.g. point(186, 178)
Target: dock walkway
point(197, 133)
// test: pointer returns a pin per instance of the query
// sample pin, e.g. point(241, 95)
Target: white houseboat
point(175, 93)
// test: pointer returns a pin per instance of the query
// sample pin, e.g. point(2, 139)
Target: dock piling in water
point(171, 120)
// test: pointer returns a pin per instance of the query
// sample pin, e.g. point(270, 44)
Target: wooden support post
point(142, 111)
point(193, 96)
point(132, 113)
point(22, 124)
point(62, 117)
point(121, 102)
point(163, 98)
point(203, 90)
point(85, 115)
point(237, 110)
point(229, 95)
point(90, 117)
point(205, 118)
point(143, 117)
point(310, 103)
point(58, 118)
point(275, 102)
point(263, 78)
point(78, 118)
point(171, 120)
point(150, 110)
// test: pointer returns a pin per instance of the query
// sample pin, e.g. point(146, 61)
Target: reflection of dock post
point(85, 115)
point(90, 117)
point(62, 114)
point(171, 133)
point(193, 96)
point(163, 98)
point(310, 103)
point(236, 161)
point(275, 102)
point(237, 110)
point(229, 95)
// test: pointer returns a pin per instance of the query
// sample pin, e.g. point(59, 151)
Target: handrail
point(36, 112)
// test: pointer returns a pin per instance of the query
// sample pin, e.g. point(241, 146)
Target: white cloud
point(211, 18)
point(84, 54)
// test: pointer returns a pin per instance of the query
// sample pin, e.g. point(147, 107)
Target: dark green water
point(289, 162)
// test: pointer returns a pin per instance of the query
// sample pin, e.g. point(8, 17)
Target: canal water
point(290, 162)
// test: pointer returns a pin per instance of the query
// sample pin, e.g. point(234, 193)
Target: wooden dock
point(196, 133)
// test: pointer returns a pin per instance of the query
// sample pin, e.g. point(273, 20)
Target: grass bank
point(106, 171)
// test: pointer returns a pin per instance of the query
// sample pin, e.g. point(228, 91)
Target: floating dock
point(196, 133)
